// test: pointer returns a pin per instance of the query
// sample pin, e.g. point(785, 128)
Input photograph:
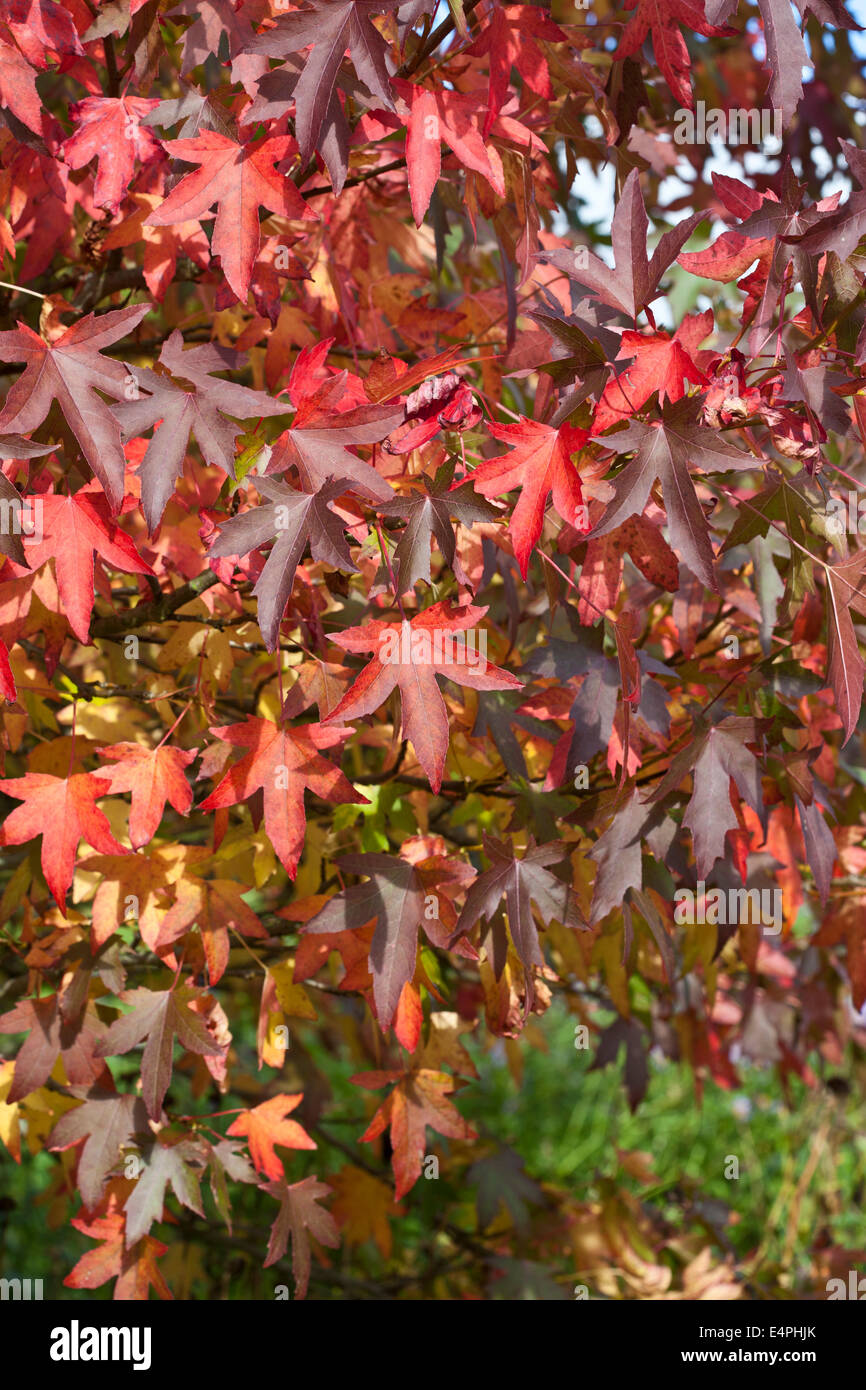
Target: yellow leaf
point(10, 1131)
point(16, 888)
point(272, 1045)
point(607, 953)
point(310, 872)
point(42, 1109)
point(293, 999)
point(444, 1048)
point(362, 1207)
point(191, 643)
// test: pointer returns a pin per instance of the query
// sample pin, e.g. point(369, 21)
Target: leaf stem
point(19, 289)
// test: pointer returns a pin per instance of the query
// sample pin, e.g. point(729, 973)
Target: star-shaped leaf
point(715, 757)
point(291, 520)
point(178, 1164)
point(70, 371)
point(633, 282)
point(300, 1217)
point(662, 18)
point(539, 463)
point(661, 362)
point(155, 1017)
point(63, 811)
point(410, 656)
point(72, 530)
point(106, 1123)
point(418, 1100)
point(215, 906)
point(317, 446)
point(328, 28)
point(154, 776)
point(664, 449)
point(282, 761)
point(501, 1179)
point(202, 413)
point(135, 1270)
point(266, 1125)
point(428, 517)
point(521, 882)
point(109, 130)
point(239, 178)
point(395, 898)
point(49, 1036)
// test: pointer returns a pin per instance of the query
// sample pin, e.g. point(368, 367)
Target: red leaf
point(202, 412)
point(509, 40)
point(18, 87)
point(135, 1270)
point(540, 463)
point(7, 680)
point(299, 1217)
point(63, 811)
point(634, 279)
point(442, 115)
point(156, 1016)
point(406, 656)
point(106, 1123)
point(662, 363)
point(418, 1100)
point(330, 26)
point(108, 129)
point(662, 18)
point(239, 178)
point(395, 899)
point(153, 776)
point(664, 449)
point(70, 370)
point(846, 589)
point(266, 1125)
point(51, 1036)
point(214, 905)
point(73, 528)
point(282, 761)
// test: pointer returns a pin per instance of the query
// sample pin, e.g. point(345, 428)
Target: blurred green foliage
point(567, 1124)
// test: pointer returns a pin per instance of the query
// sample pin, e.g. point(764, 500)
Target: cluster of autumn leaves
point(218, 539)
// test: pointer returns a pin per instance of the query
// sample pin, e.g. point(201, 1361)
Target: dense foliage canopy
point(430, 522)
